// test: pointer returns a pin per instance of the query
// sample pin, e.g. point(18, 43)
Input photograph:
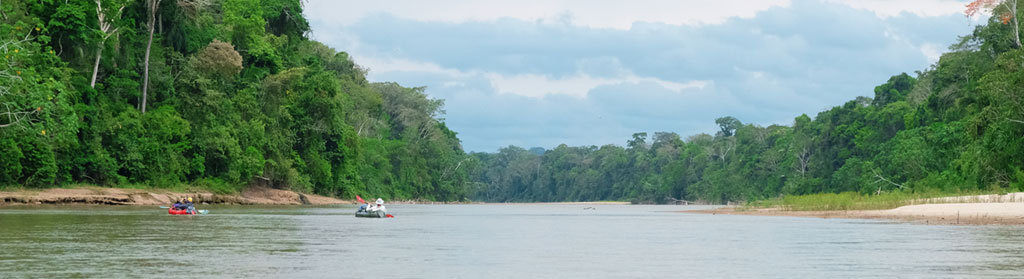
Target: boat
point(174, 211)
point(371, 214)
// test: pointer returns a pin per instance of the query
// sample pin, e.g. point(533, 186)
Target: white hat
point(380, 201)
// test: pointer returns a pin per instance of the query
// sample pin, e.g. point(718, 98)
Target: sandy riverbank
point(561, 203)
point(118, 196)
point(968, 210)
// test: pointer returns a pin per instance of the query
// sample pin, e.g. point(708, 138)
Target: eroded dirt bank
point(118, 196)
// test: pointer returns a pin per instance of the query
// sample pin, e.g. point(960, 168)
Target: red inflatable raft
point(174, 211)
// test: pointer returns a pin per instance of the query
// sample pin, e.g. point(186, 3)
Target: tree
point(106, 19)
point(801, 150)
point(287, 122)
point(1008, 16)
point(723, 146)
point(152, 6)
point(10, 75)
point(218, 59)
point(639, 141)
point(728, 125)
point(896, 89)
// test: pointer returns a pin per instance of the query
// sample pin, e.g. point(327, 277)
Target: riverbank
point(122, 196)
point(1005, 209)
point(562, 203)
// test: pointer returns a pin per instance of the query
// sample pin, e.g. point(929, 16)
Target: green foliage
point(245, 22)
point(859, 201)
point(728, 125)
point(164, 140)
point(894, 90)
point(39, 163)
point(217, 185)
point(218, 59)
point(845, 201)
point(266, 107)
point(10, 162)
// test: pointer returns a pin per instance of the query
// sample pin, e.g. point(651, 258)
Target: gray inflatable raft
point(371, 214)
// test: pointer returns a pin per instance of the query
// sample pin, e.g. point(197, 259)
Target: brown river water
point(488, 241)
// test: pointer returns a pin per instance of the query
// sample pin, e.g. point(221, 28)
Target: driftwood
point(881, 179)
point(678, 201)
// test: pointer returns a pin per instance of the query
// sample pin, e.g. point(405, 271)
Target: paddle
point(165, 207)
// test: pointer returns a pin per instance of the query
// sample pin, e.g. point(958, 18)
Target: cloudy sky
point(539, 73)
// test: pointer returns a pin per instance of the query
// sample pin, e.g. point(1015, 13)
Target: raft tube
point(174, 211)
point(371, 214)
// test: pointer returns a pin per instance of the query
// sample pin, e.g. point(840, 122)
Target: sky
point(540, 73)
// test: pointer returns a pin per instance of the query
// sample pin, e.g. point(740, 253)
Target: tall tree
point(639, 141)
point(728, 125)
point(10, 75)
point(152, 6)
point(106, 19)
point(1008, 16)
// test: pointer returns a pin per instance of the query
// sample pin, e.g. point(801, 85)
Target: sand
point(968, 210)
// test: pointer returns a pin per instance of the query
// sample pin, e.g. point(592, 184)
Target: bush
point(10, 162)
point(40, 162)
point(218, 186)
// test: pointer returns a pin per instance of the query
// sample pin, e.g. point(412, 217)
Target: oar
point(165, 207)
point(360, 199)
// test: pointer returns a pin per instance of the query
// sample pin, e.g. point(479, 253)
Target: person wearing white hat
point(379, 206)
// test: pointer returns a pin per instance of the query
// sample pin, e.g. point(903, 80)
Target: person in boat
point(379, 207)
point(180, 205)
point(364, 207)
point(189, 207)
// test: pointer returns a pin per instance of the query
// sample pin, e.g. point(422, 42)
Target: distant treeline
point(956, 126)
point(221, 94)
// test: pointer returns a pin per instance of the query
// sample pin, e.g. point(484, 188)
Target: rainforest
point(224, 95)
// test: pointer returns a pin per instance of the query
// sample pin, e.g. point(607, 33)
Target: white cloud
point(579, 85)
point(531, 73)
point(932, 52)
point(448, 84)
point(529, 85)
point(381, 65)
point(891, 8)
point(597, 13)
point(592, 13)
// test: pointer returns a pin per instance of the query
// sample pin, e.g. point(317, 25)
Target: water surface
point(489, 241)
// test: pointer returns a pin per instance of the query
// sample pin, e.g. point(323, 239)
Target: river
point(488, 241)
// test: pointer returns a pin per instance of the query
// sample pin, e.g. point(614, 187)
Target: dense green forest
point(220, 94)
point(223, 94)
point(958, 126)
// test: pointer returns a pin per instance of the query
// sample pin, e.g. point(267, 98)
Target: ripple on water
point(489, 241)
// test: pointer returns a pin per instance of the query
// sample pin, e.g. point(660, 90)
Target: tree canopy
point(237, 95)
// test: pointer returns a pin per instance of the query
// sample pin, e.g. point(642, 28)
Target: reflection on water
point(488, 241)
